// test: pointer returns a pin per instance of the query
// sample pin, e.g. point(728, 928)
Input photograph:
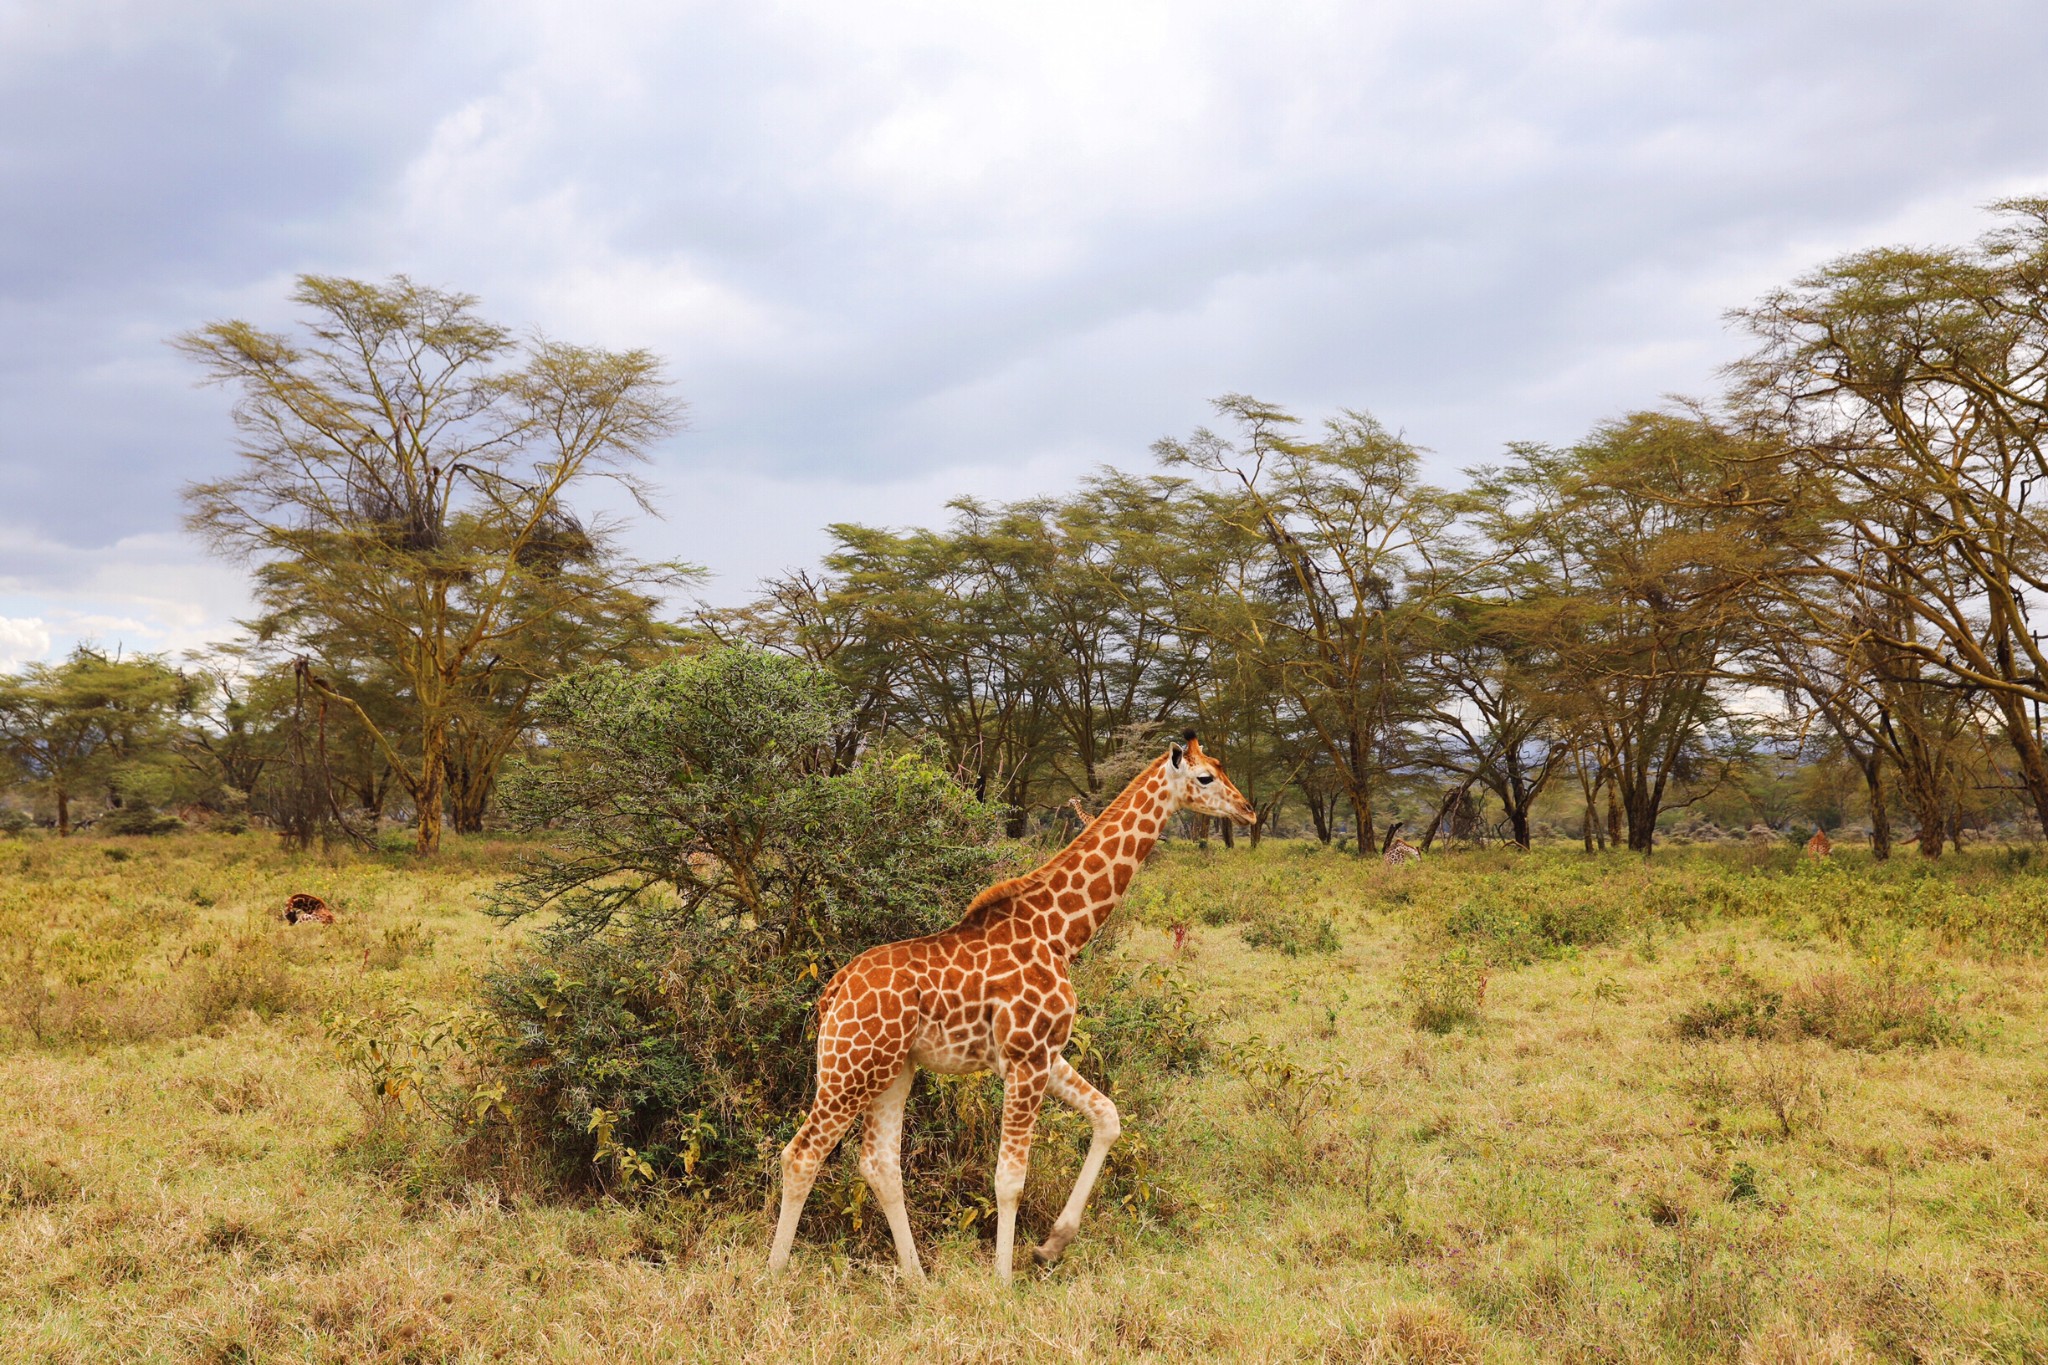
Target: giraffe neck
point(1089, 876)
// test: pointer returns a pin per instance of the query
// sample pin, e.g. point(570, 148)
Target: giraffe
point(1081, 811)
point(1819, 846)
point(991, 993)
point(1399, 850)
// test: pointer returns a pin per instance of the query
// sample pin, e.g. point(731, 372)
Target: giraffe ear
point(1175, 751)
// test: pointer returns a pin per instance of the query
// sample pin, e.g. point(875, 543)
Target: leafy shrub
point(1880, 1008)
point(1292, 931)
point(1292, 1091)
point(1444, 990)
point(1137, 1024)
point(712, 866)
point(1522, 921)
point(14, 820)
point(139, 818)
point(1750, 1013)
point(251, 976)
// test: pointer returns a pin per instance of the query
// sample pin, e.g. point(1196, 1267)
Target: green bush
point(1444, 990)
point(1881, 1008)
point(139, 818)
point(712, 865)
point(1520, 920)
point(1291, 931)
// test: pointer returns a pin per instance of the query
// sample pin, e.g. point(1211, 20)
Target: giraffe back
point(1400, 852)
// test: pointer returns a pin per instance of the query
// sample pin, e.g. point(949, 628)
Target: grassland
point(1720, 1106)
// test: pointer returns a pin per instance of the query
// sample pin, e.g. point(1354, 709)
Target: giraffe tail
point(831, 991)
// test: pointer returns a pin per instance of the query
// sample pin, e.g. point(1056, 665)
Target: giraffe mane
point(1000, 900)
point(995, 902)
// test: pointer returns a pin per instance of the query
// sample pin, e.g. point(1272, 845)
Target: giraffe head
point(1198, 784)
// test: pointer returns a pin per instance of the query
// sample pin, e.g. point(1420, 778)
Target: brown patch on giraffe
point(1072, 901)
point(1094, 862)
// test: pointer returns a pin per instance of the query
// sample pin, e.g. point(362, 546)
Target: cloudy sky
point(894, 252)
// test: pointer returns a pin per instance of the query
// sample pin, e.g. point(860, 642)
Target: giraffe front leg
point(881, 1165)
point(1068, 1085)
point(1024, 1084)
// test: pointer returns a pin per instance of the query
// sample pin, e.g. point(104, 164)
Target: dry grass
point(1568, 1175)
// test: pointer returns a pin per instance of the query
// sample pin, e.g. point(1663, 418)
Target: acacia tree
point(1906, 392)
point(404, 494)
point(1641, 599)
point(1337, 551)
point(73, 726)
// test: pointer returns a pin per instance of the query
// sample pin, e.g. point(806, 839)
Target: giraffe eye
point(1206, 778)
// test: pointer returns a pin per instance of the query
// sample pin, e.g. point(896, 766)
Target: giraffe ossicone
point(990, 993)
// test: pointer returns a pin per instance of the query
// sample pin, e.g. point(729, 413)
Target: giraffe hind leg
point(881, 1165)
point(1069, 1086)
point(805, 1155)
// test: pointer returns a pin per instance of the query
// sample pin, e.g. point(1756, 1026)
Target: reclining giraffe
point(991, 993)
point(1399, 850)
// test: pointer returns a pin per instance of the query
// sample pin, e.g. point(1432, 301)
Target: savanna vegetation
point(590, 858)
point(1497, 1106)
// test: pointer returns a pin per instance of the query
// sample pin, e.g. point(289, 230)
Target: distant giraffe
point(1399, 850)
point(303, 907)
point(991, 993)
point(1081, 810)
point(1819, 847)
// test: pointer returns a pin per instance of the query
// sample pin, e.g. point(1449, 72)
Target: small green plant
point(1882, 1007)
point(252, 975)
point(1784, 1079)
point(1444, 990)
point(1742, 1184)
point(400, 942)
point(1291, 931)
point(404, 1062)
point(1295, 1092)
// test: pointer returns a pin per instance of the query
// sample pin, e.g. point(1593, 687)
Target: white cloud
point(22, 640)
point(909, 249)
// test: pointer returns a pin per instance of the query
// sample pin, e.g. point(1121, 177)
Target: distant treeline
point(1807, 602)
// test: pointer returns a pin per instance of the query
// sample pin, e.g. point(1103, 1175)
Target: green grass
point(1491, 1107)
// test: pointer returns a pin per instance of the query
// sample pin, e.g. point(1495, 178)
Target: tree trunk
point(1586, 826)
point(432, 786)
point(63, 813)
point(1641, 809)
point(1518, 824)
point(469, 798)
point(1361, 823)
point(1229, 833)
point(1613, 815)
point(1319, 816)
point(2033, 764)
point(1880, 814)
point(1933, 829)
